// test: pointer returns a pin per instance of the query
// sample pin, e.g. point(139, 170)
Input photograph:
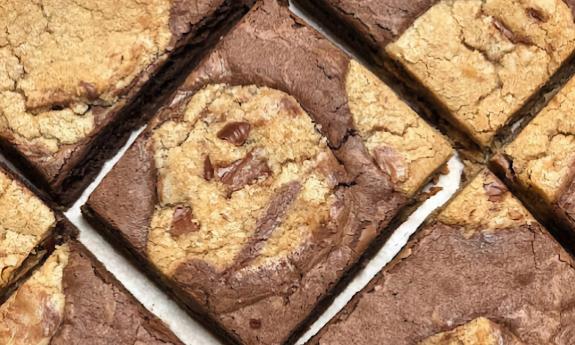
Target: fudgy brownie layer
point(483, 255)
point(61, 122)
point(266, 177)
point(72, 299)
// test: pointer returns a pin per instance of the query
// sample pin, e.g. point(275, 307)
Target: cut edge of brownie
point(108, 277)
point(153, 86)
point(546, 213)
point(120, 243)
point(412, 242)
point(348, 308)
point(62, 231)
point(100, 271)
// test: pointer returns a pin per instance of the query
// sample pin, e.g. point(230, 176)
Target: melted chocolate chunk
point(244, 172)
point(255, 323)
point(235, 132)
point(90, 90)
point(391, 163)
point(511, 36)
point(495, 191)
point(537, 15)
point(208, 169)
point(183, 222)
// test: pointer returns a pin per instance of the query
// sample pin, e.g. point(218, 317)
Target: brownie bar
point(538, 163)
point(480, 62)
point(271, 171)
point(29, 230)
point(71, 299)
point(76, 78)
point(480, 331)
point(482, 256)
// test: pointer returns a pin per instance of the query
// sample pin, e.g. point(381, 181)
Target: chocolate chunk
point(244, 172)
point(183, 222)
point(255, 323)
point(235, 132)
point(511, 36)
point(208, 169)
point(273, 217)
point(537, 15)
point(392, 163)
point(90, 90)
point(495, 191)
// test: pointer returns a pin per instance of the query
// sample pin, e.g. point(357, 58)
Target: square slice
point(75, 76)
point(480, 61)
point(256, 189)
point(482, 256)
point(539, 163)
point(29, 230)
point(72, 300)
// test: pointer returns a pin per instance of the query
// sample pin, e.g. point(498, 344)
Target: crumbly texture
point(266, 177)
point(25, 221)
point(518, 275)
point(72, 300)
point(542, 155)
point(403, 145)
point(480, 331)
point(225, 215)
point(64, 57)
point(483, 59)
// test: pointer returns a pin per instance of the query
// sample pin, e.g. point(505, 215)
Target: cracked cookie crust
point(258, 187)
point(71, 299)
point(71, 69)
point(539, 161)
point(484, 59)
point(484, 256)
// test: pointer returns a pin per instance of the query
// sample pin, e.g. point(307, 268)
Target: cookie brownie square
point(480, 61)
point(482, 256)
point(256, 189)
point(29, 230)
point(538, 163)
point(75, 77)
point(72, 300)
